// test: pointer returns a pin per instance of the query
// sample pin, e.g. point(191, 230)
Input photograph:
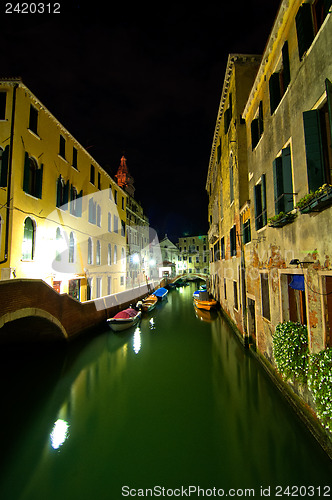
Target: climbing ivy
point(320, 384)
point(290, 350)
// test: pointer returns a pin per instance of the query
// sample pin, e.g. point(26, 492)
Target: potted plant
point(281, 219)
point(316, 201)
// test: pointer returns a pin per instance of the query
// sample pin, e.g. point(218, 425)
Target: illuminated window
point(71, 257)
point(90, 254)
point(28, 247)
point(58, 239)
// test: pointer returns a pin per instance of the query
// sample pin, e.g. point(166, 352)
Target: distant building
point(193, 255)
point(170, 254)
point(62, 217)
point(137, 229)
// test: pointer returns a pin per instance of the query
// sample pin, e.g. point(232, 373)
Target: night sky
point(143, 82)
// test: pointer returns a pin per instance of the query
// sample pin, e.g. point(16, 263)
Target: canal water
point(176, 407)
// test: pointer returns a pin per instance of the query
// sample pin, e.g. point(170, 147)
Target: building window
point(109, 285)
point(62, 147)
point(33, 119)
point(33, 177)
point(231, 178)
point(265, 295)
point(246, 231)
point(115, 254)
point(28, 247)
point(90, 254)
point(123, 228)
point(317, 132)
point(115, 196)
point(260, 203)
point(92, 215)
point(3, 100)
point(283, 182)
point(296, 299)
point(279, 80)
point(109, 254)
point(74, 158)
point(99, 180)
point(75, 202)
point(225, 289)
point(257, 127)
point(308, 20)
point(123, 203)
point(228, 115)
point(4, 166)
point(62, 193)
point(98, 287)
point(236, 300)
point(109, 222)
point(98, 253)
point(115, 224)
point(92, 174)
point(58, 244)
point(232, 236)
point(71, 257)
point(98, 215)
point(222, 248)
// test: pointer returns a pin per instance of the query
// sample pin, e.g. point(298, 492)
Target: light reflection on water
point(192, 407)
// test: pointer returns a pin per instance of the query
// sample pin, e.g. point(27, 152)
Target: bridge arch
point(13, 325)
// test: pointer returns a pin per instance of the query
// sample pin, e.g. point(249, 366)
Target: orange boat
point(149, 303)
point(204, 301)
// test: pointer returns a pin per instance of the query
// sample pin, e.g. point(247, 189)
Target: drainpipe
point(9, 176)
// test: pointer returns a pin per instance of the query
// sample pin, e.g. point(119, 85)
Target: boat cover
point(203, 296)
point(160, 292)
point(126, 313)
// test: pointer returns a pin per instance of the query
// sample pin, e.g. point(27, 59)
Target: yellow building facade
point(63, 218)
point(193, 255)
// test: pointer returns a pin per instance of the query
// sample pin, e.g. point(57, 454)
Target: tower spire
point(123, 177)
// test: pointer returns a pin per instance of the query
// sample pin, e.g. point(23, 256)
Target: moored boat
point(202, 300)
point(149, 303)
point(161, 293)
point(124, 319)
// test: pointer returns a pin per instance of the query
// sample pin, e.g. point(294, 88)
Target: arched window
point(58, 244)
point(90, 257)
point(98, 253)
point(71, 248)
point(123, 257)
point(109, 254)
point(33, 177)
point(114, 254)
point(28, 246)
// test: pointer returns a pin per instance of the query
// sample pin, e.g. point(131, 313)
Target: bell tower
point(123, 177)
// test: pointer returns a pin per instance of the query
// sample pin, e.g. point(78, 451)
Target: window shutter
point(258, 205)
point(278, 185)
point(65, 196)
point(4, 167)
point(287, 179)
point(264, 212)
point(39, 181)
point(274, 89)
point(304, 28)
point(26, 174)
point(314, 149)
point(286, 66)
point(328, 86)
point(58, 192)
point(79, 204)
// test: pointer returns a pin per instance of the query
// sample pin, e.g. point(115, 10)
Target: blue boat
point(161, 293)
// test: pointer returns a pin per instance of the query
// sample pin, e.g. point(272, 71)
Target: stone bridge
point(32, 311)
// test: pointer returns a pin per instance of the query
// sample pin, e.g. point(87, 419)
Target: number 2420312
point(32, 8)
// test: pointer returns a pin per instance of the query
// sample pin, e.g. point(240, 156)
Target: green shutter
point(274, 89)
point(328, 86)
point(258, 205)
point(4, 167)
point(286, 66)
point(304, 28)
point(314, 149)
point(26, 174)
point(278, 185)
point(264, 211)
point(287, 179)
point(39, 181)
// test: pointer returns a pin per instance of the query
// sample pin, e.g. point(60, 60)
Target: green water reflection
point(175, 402)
